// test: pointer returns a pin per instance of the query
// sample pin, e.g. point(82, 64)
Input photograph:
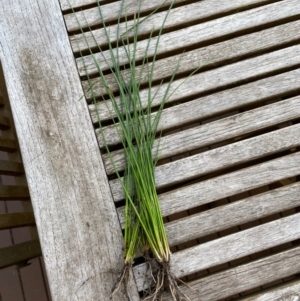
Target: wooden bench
point(228, 172)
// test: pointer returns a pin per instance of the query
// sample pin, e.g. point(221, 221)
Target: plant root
point(123, 279)
point(165, 281)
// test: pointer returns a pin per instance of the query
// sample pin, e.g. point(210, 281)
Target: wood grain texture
point(244, 277)
point(111, 11)
point(8, 193)
point(206, 56)
point(235, 246)
point(237, 213)
point(228, 185)
point(183, 38)
point(289, 291)
point(19, 253)
point(196, 11)
point(220, 130)
point(78, 227)
point(65, 4)
point(209, 81)
point(11, 168)
point(13, 220)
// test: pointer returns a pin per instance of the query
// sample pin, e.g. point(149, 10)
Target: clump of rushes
point(136, 125)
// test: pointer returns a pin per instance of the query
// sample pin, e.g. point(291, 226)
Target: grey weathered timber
point(19, 253)
point(13, 220)
point(232, 247)
point(230, 184)
point(236, 245)
point(237, 213)
point(183, 38)
point(288, 291)
point(196, 11)
point(78, 227)
point(110, 12)
point(208, 106)
point(218, 78)
point(11, 168)
point(208, 56)
point(218, 131)
point(244, 277)
point(65, 4)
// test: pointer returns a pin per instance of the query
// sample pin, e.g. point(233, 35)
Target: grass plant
point(137, 127)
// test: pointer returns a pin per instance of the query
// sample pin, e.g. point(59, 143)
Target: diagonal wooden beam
point(78, 226)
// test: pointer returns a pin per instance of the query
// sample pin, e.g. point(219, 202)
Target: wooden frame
point(78, 223)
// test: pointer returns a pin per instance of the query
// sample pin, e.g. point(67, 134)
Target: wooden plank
point(220, 130)
point(14, 220)
point(11, 168)
point(183, 38)
point(288, 291)
point(243, 277)
point(110, 12)
point(237, 213)
point(196, 12)
point(19, 253)
point(230, 184)
point(78, 226)
point(235, 246)
point(8, 193)
point(4, 123)
point(8, 145)
point(65, 4)
point(215, 79)
point(208, 56)
point(243, 211)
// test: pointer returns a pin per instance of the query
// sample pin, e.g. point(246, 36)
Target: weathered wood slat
point(185, 37)
point(8, 193)
point(236, 245)
point(208, 56)
point(13, 220)
point(8, 145)
point(217, 131)
point(288, 291)
point(78, 226)
point(65, 4)
point(110, 12)
point(237, 213)
point(11, 168)
point(243, 277)
point(4, 123)
point(217, 78)
point(196, 11)
point(230, 184)
point(19, 253)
